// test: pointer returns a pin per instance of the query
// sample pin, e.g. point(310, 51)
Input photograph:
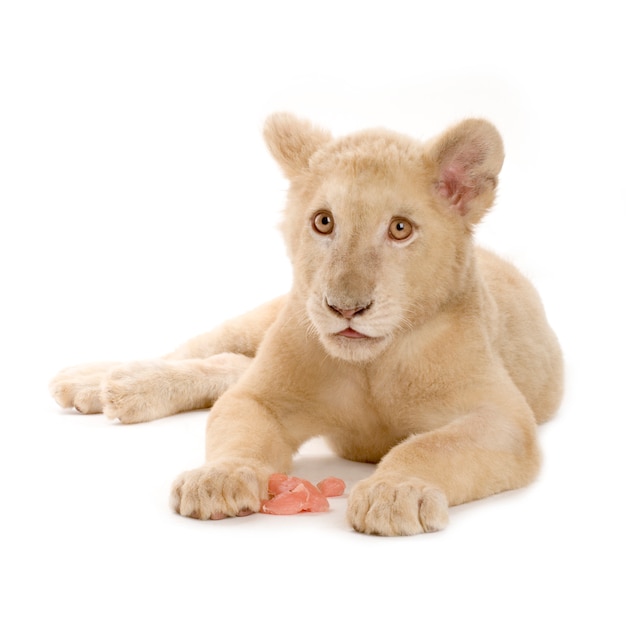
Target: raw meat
point(331, 487)
point(289, 495)
point(286, 503)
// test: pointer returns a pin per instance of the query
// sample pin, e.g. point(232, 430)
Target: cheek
point(394, 272)
point(308, 263)
point(407, 283)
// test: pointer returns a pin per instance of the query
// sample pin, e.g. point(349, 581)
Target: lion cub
point(401, 342)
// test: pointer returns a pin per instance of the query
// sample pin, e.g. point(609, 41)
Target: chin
point(354, 350)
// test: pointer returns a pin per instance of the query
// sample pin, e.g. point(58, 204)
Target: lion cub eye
point(400, 229)
point(323, 222)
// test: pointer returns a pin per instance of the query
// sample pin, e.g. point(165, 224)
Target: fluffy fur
point(401, 342)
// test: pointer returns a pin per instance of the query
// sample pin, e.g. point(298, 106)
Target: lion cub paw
point(135, 392)
point(219, 491)
point(79, 387)
point(396, 505)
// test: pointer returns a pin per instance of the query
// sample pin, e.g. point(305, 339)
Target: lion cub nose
point(348, 313)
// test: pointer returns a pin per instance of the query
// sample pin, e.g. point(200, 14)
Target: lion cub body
point(400, 342)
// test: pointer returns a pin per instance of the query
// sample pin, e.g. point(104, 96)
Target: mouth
point(350, 333)
point(352, 345)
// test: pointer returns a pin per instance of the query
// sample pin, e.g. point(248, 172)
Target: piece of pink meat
point(279, 483)
point(289, 495)
point(286, 503)
point(316, 501)
point(332, 487)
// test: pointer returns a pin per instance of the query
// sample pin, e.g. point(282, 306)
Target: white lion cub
point(401, 342)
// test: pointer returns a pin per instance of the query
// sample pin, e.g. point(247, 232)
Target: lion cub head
point(378, 225)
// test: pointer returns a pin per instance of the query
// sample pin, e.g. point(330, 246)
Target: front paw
point(219, 491)
point(393, 505)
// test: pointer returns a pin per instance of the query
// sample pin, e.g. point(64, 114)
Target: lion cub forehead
point(371, 151)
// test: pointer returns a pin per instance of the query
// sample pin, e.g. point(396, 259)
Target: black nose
point(348, 313)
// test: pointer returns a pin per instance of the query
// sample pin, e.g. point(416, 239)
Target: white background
point(139, 208)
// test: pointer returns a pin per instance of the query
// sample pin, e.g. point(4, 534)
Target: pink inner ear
point(451, 187)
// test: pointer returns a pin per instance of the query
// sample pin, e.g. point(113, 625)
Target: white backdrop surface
point(139, 208)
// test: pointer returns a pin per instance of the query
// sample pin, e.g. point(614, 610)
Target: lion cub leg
point(191, 377)
point(141, 391)
point(245, 443)
point(474, 456)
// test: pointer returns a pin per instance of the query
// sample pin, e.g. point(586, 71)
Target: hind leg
point(191, 377)
point(147, 390)
point(141, 391)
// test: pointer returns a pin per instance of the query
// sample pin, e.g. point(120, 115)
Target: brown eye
point(323, 222)
point(400, 229)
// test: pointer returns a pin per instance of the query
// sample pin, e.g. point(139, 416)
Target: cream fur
point(446, 362)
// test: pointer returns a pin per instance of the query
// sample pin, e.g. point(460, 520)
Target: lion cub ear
point(293, 141)
point(466, 161)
